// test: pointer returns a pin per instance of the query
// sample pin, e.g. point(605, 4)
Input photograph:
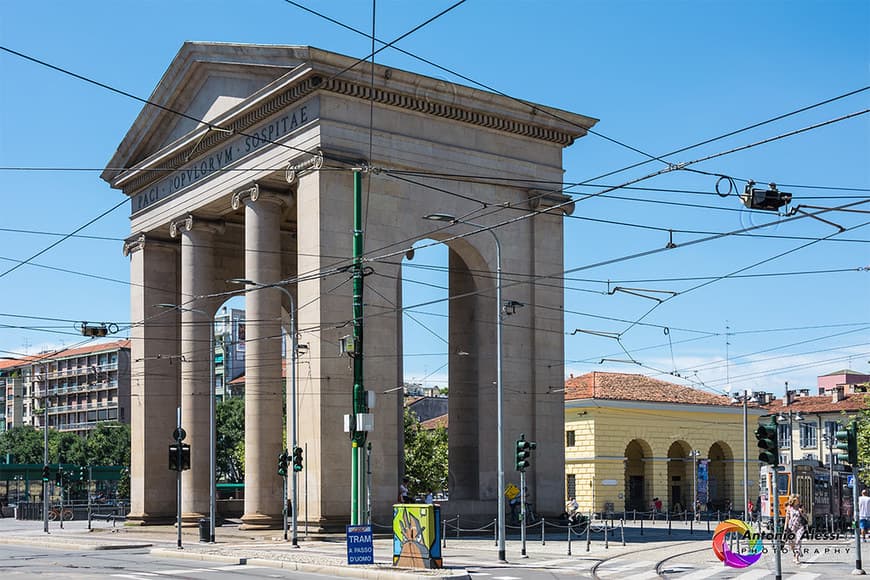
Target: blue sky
point(659, 75)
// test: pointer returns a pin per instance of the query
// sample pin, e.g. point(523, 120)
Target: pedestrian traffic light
point(847, 442)
point(767, 443)
point(524, 452)
point(297, 459)
point(58, 477)
point(282, 463)
point(46, 472)
point(175, 454)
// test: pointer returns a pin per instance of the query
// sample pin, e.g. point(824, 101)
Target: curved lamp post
point(442, 217)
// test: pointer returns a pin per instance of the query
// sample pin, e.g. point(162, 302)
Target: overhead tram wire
point(554, 115)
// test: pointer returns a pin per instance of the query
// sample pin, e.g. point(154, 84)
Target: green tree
point(65, 447)
point(107, 444)
point(230, 452)
point(22, 444)
point(864, 440)
point(425, 456)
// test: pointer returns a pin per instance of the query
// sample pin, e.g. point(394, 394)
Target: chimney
point(837, 394)
point(788, 399)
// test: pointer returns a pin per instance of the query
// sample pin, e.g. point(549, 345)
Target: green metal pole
point(359, 400)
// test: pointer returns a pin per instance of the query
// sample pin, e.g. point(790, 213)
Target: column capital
point(138, 242)
point(190, 222)
point(253, 192)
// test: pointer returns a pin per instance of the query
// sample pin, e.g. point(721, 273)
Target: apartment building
point(78, 387)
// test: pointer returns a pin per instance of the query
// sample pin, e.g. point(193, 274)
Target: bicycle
point(55, 513)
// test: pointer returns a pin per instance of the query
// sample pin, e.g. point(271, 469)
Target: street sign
point(360, 549)
point(850, 481)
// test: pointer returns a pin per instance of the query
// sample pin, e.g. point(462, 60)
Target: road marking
point(752, 575)
point(804, 576)
point(182, 571)
point(642, 575)
point(506, 578)
point(705, 573)
point(607, 570)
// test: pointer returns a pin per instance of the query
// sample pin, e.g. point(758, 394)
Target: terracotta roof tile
point(632, 387)
point(823, 404)
point(435, 422)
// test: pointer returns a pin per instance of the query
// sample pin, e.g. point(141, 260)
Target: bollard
point(692, 526)
point(543, 526)
point(443, 533)
point(622, 530)
point(569, 539)
point(589, 533)
point(641, 527)
point(457, 525)
point(708, 523)
point(606, 543)
point(634, 516)
point(495, 530)
point(669, 526)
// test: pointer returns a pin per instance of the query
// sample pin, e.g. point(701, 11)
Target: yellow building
point(630, 439)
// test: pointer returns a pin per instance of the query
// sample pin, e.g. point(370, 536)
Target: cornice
point(203, 140)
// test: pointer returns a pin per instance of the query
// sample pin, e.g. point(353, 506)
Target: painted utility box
point(417, 536)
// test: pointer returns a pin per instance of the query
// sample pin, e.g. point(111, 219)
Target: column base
point(191, 519)
point(149, 520)
point(261, 522)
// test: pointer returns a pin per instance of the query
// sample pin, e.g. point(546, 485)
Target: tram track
point(658, 566)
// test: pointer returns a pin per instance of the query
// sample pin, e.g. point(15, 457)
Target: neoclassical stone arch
point(680, 474)
point(639, 473)
point(263, 191)
point(721, 473)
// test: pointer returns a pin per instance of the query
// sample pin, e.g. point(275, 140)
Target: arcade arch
point(720, 474)
point(679, 476)
point(638, 475)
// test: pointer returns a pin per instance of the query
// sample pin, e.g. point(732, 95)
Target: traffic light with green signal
point(847, 444)
point(46, 473)
point(767, 443)
point(524, 452)
point(297, 459)
point(283, 458)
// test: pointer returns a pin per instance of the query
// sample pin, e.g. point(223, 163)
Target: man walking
point(864, 513)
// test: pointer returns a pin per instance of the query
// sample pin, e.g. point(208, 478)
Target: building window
point(571, 484)
point(783, 434)
point(808, 435)
point(569, 438)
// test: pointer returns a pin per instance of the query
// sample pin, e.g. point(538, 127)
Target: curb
point(74, 544)
point(331, 570)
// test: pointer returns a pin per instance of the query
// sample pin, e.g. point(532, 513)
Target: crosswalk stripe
point(607, 571)
point(753, 574)
point(705, 573)
point(642, 576)
point(804, 576)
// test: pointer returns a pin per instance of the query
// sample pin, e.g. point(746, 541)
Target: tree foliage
point(425, 456)
point(107, 444)
point(230, 452)
point(22, 444)
point(864, 440)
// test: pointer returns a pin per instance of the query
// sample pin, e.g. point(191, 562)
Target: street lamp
point(212, 432)
point(293, 432)
point(783, 418)
point(442, 217)
point(745, 398)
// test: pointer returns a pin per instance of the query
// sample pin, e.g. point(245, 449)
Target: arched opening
point(720, 474)
point(441, 354)
point(638, 475)
point(679, 476)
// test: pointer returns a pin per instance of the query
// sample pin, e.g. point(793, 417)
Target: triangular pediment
point(204, 81)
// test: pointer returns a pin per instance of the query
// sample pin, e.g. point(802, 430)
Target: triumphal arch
point(242, 168)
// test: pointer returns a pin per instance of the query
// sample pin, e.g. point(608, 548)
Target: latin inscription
point(227, 154)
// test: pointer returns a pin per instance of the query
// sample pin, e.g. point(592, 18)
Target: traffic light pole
point(358, 437)
point(45, 460)
point(778, 542)
point(523, 512)
point(859, 569)
point(179, 460)
point(284, 511)
point(60, 472)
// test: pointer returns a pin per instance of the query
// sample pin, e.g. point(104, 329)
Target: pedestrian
point(796, 524)
point(430, 497)
point(404, 495)
point(864, 513)
point(657, 504)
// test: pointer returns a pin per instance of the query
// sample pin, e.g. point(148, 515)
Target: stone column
point(154, 378)
point(263, 383)
point(197, 316)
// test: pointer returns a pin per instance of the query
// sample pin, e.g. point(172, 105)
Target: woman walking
point(796, 524)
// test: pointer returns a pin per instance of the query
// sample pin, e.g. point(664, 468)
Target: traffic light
point(83, 473)
point(282, 463)
point(524, 452)
point(297, 459)
point(847, 441)
point(58, 477)
point(767, 443)
point(174, 457)
point(46, 473)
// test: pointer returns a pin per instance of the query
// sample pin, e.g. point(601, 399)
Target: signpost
point(360, 549)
